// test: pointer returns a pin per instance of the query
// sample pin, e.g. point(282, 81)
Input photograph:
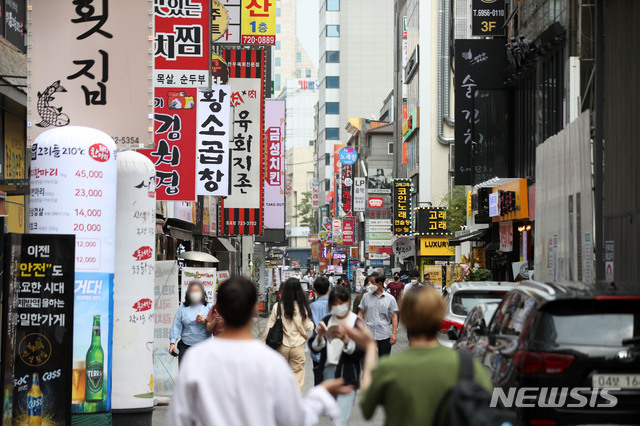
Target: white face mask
point(340, 310)
point(371, 288)
point(195, 297)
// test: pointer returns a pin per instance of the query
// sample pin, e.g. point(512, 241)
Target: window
point(333, 133)
point(327, 184)
point(278, 62)
point(278, 12)
point(308, 73)
point(298, 73)
point(333, 30)
point(332, 107)
point(298, 57)
point(333, 56)
point(327, 159)
point(277, 81)
point(278, 47)
point(333, 5)
point(333, 82)
point(390, 148)
point(278, 29)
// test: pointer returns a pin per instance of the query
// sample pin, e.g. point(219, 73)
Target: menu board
point(37, 338)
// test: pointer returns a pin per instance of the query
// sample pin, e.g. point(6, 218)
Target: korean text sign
point(175, 153)
point(90, 66)
point(181, 43)
point(431, 221)
point(38, 293)
point(208, 277)
point(213, 141)
point(242, 211)
point(258, 22)
point(274, 168)
point(165, 366)
point(402, 209)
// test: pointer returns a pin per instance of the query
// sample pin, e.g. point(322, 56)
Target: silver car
point(462, 297)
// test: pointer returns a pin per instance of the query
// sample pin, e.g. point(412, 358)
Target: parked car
point(469, 338)
point(462, 297)
point(550, 337)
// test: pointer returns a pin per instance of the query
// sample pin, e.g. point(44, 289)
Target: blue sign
point(348, 155)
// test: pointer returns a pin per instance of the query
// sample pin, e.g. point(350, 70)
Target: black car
point(569, 354)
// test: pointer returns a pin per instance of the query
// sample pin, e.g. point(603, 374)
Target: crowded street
point(319, 212)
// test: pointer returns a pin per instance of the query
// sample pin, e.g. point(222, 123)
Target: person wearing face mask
point(339, 356)
point(414, 276)
point(379, 310)
point(395, 287)
point(370, 286)
point(189, 324)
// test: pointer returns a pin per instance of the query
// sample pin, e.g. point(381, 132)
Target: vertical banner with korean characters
point(346, 207)
point(349, 231)
point(135, 263)
point(274, 169)
point(181, 43)
point(174, 155)
point(315, 194)
point(73, 191)
point(212, 172)
point(37, 339)
point(359, 194)
point(208, 277)
point(402, 208)
point(241, 212)
point(165, 366)
point(90, 65)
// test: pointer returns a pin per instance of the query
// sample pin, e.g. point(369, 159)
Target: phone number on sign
point(241, 223)
point(249, 39)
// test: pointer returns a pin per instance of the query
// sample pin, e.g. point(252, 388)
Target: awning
point(222, 244)
point(180, 234)
point(471, 236)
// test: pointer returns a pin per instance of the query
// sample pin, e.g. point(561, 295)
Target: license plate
point(621, 381)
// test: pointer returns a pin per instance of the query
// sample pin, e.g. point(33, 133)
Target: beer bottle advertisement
point(37, 343)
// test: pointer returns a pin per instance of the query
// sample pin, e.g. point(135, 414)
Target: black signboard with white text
point(402, 209)
point(488, 18)
point(478, 81)
point(37, 336)
point(14, 22)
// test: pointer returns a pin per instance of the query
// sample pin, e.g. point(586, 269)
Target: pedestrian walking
point(296, 322)
point(414, 277)
point(423, 374)
point(319, 309)
point(214, 321)
point(379, 310)
point(189, 326)
point(370, 286)
point(236, 380)
point(339, 355)
point(395, 287)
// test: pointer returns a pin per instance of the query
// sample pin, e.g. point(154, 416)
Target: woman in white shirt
point(339, 355)
point(296, 322)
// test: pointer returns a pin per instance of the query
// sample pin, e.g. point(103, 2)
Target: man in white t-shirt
point(414, 276)
point(235, 380)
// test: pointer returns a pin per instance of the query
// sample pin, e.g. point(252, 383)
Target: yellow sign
point(258, 22)
point(514, 204)
point(219, 20)
point(15, 214)
point(469, 204)
point(14, 147)
point(432, 274)
point(436, 247)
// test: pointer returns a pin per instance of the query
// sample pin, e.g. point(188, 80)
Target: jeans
point(182, 350)
point(384, 347)
point(345, 402)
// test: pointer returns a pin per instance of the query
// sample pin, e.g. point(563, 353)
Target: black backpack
point(469, 402)
point(276, 333)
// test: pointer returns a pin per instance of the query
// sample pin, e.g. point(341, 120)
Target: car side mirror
point(453, 333)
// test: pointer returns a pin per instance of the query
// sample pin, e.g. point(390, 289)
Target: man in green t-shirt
point(410, 385)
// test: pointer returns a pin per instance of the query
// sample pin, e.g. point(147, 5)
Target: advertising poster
point(242, 211)
point(210, 216)
point(208, 277)
point(76, 168)
point(380, 182)
point(175, 152)
point(274, 177)
point(315, 194)
point(349, 231)
point(432, 274)
point(359, 194)
point(165, 366)
point(38, 307)
point(346, 207)
point(212, 163)
point(181, 43)
point(91, 67)
point(402, 209)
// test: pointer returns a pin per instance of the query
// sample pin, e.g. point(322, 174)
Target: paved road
point(159, 414)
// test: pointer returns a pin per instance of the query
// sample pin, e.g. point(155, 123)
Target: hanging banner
point(175, 153)
point(349, 231)
point(210, 216)
point(73, 191)
point(359, 194)
point(346, 191)
point(208, 277)
point(165, 366)
point(135, 263)
point(181, 43)
point(91, 67)
point(212, 165)
point(242, 211)
point(315, 194)
point(274, 212)
point(506, 236)
point(402, 208)
point(37, 373)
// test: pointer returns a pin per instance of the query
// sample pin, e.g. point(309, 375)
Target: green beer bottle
point(94, 391)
